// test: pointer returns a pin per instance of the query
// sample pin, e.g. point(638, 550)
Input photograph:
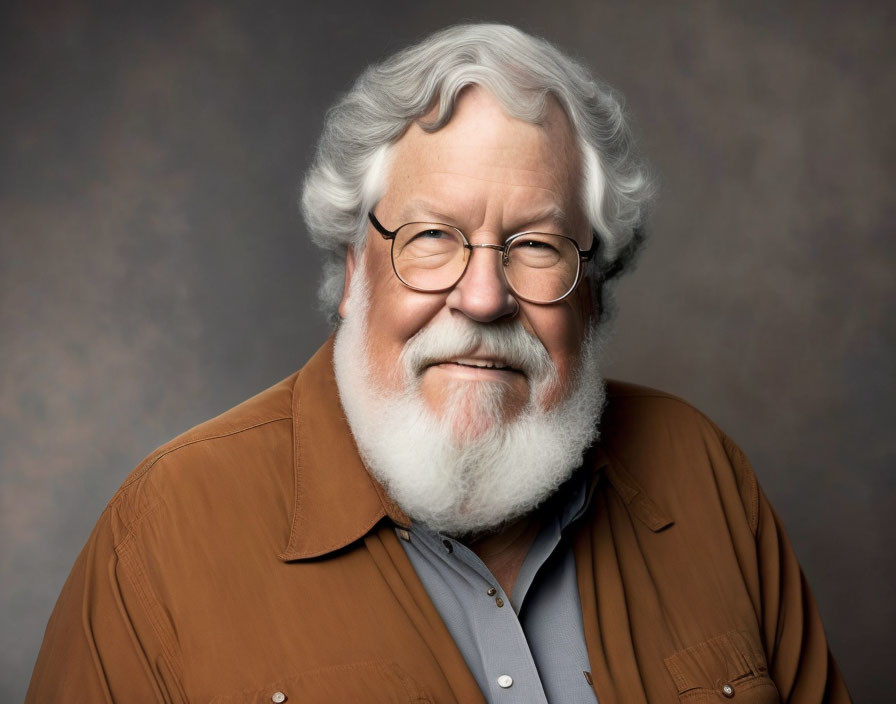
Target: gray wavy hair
point(348, 174)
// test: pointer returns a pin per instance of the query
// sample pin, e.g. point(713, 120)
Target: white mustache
point(507, 342)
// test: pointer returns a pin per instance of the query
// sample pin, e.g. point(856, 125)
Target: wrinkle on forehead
point(499, 178)
point(420, 209)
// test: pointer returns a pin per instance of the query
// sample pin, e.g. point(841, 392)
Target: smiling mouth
point(484, 364)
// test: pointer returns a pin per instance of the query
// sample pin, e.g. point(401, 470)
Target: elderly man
point(446, 503)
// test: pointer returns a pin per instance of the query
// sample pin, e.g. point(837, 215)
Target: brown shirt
point(254, 558)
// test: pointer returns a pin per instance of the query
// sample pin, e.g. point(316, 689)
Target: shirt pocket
point(728, 668)
point(374, 682)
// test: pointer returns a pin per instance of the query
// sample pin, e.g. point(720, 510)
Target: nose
point(482, 294)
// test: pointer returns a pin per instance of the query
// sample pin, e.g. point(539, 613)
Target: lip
point(476, 368)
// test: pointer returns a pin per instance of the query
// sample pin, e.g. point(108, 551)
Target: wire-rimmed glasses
point(539, 267)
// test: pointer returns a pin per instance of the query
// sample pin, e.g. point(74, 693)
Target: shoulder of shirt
point(265, 418)
point(658, 437)
point(642, 405)
point(627, 401)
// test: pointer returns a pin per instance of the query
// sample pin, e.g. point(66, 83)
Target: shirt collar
point(337, 501)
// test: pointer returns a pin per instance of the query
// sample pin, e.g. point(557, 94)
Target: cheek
point(395, 315)
point(561, 329)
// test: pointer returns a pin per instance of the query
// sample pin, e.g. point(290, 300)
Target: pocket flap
point(717, 661)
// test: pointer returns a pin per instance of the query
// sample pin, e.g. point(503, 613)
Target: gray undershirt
point(531, 649)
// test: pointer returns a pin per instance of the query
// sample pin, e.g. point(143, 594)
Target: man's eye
point(431, 234)
point(535, 244)
point(429, 243)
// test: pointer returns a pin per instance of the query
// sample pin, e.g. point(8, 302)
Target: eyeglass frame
point(585, 255)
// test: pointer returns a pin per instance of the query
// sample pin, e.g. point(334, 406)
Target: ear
point(349, 270)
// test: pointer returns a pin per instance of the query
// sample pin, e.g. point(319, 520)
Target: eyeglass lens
point(432, 257)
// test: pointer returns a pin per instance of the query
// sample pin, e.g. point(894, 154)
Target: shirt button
point(504, 681)
point(278, 697)
point(492, 591)
point(500, 602)
point(728, 690)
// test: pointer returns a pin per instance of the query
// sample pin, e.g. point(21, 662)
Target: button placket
point(503, 624)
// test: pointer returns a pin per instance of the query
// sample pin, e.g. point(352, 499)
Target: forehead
point(485, 164)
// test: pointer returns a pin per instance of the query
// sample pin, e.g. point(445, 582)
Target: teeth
point(480, 364)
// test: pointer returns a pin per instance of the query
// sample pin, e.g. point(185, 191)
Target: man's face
point(491, 176)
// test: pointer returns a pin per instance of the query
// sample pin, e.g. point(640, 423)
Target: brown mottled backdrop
point(154, 270)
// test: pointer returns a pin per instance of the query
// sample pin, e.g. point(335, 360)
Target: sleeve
point(102, 643)
point(799, 659)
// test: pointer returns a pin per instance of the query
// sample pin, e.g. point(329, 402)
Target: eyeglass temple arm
point(378, 226)
point(587, 254)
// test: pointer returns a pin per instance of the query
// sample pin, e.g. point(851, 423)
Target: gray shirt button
point(505, 681)
point(278, 697)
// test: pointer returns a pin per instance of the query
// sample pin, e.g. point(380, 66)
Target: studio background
point(154, 270)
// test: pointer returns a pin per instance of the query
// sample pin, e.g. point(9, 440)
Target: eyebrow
point(415, 206)
point(553, 214)
point(418, 207)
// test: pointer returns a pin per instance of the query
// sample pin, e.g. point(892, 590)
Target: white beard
point(466, 470)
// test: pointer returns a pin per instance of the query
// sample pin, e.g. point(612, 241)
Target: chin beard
point(466, 469)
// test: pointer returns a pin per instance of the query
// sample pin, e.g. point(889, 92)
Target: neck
point(504, 551)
